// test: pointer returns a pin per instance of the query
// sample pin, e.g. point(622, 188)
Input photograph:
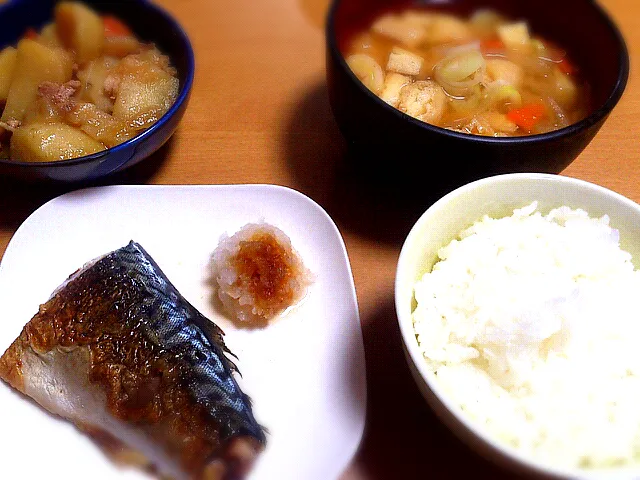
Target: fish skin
point(186, 347)
point(176, 325)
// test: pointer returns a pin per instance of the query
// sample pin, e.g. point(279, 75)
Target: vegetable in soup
point(80, 85)
point(485, 75)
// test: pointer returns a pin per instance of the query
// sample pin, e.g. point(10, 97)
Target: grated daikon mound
point(258, 273)
point(531, 325)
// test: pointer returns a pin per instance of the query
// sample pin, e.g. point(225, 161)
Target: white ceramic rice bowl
point(498, 196)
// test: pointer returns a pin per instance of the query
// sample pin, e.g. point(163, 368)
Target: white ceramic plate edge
point(16, 250)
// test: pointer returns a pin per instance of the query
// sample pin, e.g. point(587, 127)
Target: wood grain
point(259, 113)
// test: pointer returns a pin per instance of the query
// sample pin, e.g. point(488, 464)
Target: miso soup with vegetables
point(81, 84)
point(485, 75)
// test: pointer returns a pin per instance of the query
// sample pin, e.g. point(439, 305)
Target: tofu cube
point(392, 86)
point(404, 62)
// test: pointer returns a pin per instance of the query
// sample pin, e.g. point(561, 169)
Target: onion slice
point(460, 70)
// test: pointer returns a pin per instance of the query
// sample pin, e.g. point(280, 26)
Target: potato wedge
point(402, 29)
point(367, 70)
point(8, 58)
point(499, 122)
point(80, 29)
point(140, 104)
point(99, 125)
point(92, 78)
point(49, 142)
point(514, 35)
point(120, 46)
point(446, 28)
point(566, 90)
point(505, 72)
point(35, 63)
point(49, 36)
point(42, 111)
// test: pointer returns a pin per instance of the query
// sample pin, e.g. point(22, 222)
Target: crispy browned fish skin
point(118, 336)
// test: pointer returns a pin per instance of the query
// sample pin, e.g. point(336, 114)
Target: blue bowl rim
point(182, 97)
point(586, 123)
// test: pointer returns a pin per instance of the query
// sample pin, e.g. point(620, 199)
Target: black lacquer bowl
point(402, 148)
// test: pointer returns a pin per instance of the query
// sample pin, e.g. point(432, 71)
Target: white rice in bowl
point(530, 324)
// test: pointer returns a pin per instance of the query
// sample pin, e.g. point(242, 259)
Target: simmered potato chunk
point(8, 58)
point(120, 46)
point(447, 29)
point(367, 70)
point(92, 79)
point(80, 29)
point(35, 64)
point(566, 89)
point(396, 28)
point(514, 35)
point(143, 103)
point(49, 36)
point(504, 71)
point(500, 122)
point(146, 90)
point(49, 142)
point(99, 125)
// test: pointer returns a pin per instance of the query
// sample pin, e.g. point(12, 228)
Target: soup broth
point(484, 75)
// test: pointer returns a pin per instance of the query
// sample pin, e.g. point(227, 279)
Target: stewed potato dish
point(483, 75)
point(82, 84)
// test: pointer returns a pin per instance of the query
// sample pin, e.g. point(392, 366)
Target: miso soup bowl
point(497, 196)
point(149, 23)
point(384, 138)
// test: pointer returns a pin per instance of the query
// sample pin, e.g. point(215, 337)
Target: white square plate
point(305, 372)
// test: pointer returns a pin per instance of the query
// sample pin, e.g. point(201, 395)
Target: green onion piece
point(505, 95)
point(460, 66)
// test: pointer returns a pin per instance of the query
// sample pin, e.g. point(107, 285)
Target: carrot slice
point(114, 27)
point(491, 45)
point(567, 67)
point(527, 116)
point(31, 33)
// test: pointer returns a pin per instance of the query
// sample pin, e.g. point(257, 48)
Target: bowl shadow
point(403, 438)
point(20, 198)
point(368, 197)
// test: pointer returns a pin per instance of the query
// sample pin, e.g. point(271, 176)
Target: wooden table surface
point(259, 113)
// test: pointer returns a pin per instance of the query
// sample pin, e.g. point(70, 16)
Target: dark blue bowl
point(382, 138)
point(151, 24)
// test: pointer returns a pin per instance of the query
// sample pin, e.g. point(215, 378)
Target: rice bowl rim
point(414, 261)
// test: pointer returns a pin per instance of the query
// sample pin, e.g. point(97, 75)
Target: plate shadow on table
point(371, 198)
point(403, 438)
point(19, 199)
